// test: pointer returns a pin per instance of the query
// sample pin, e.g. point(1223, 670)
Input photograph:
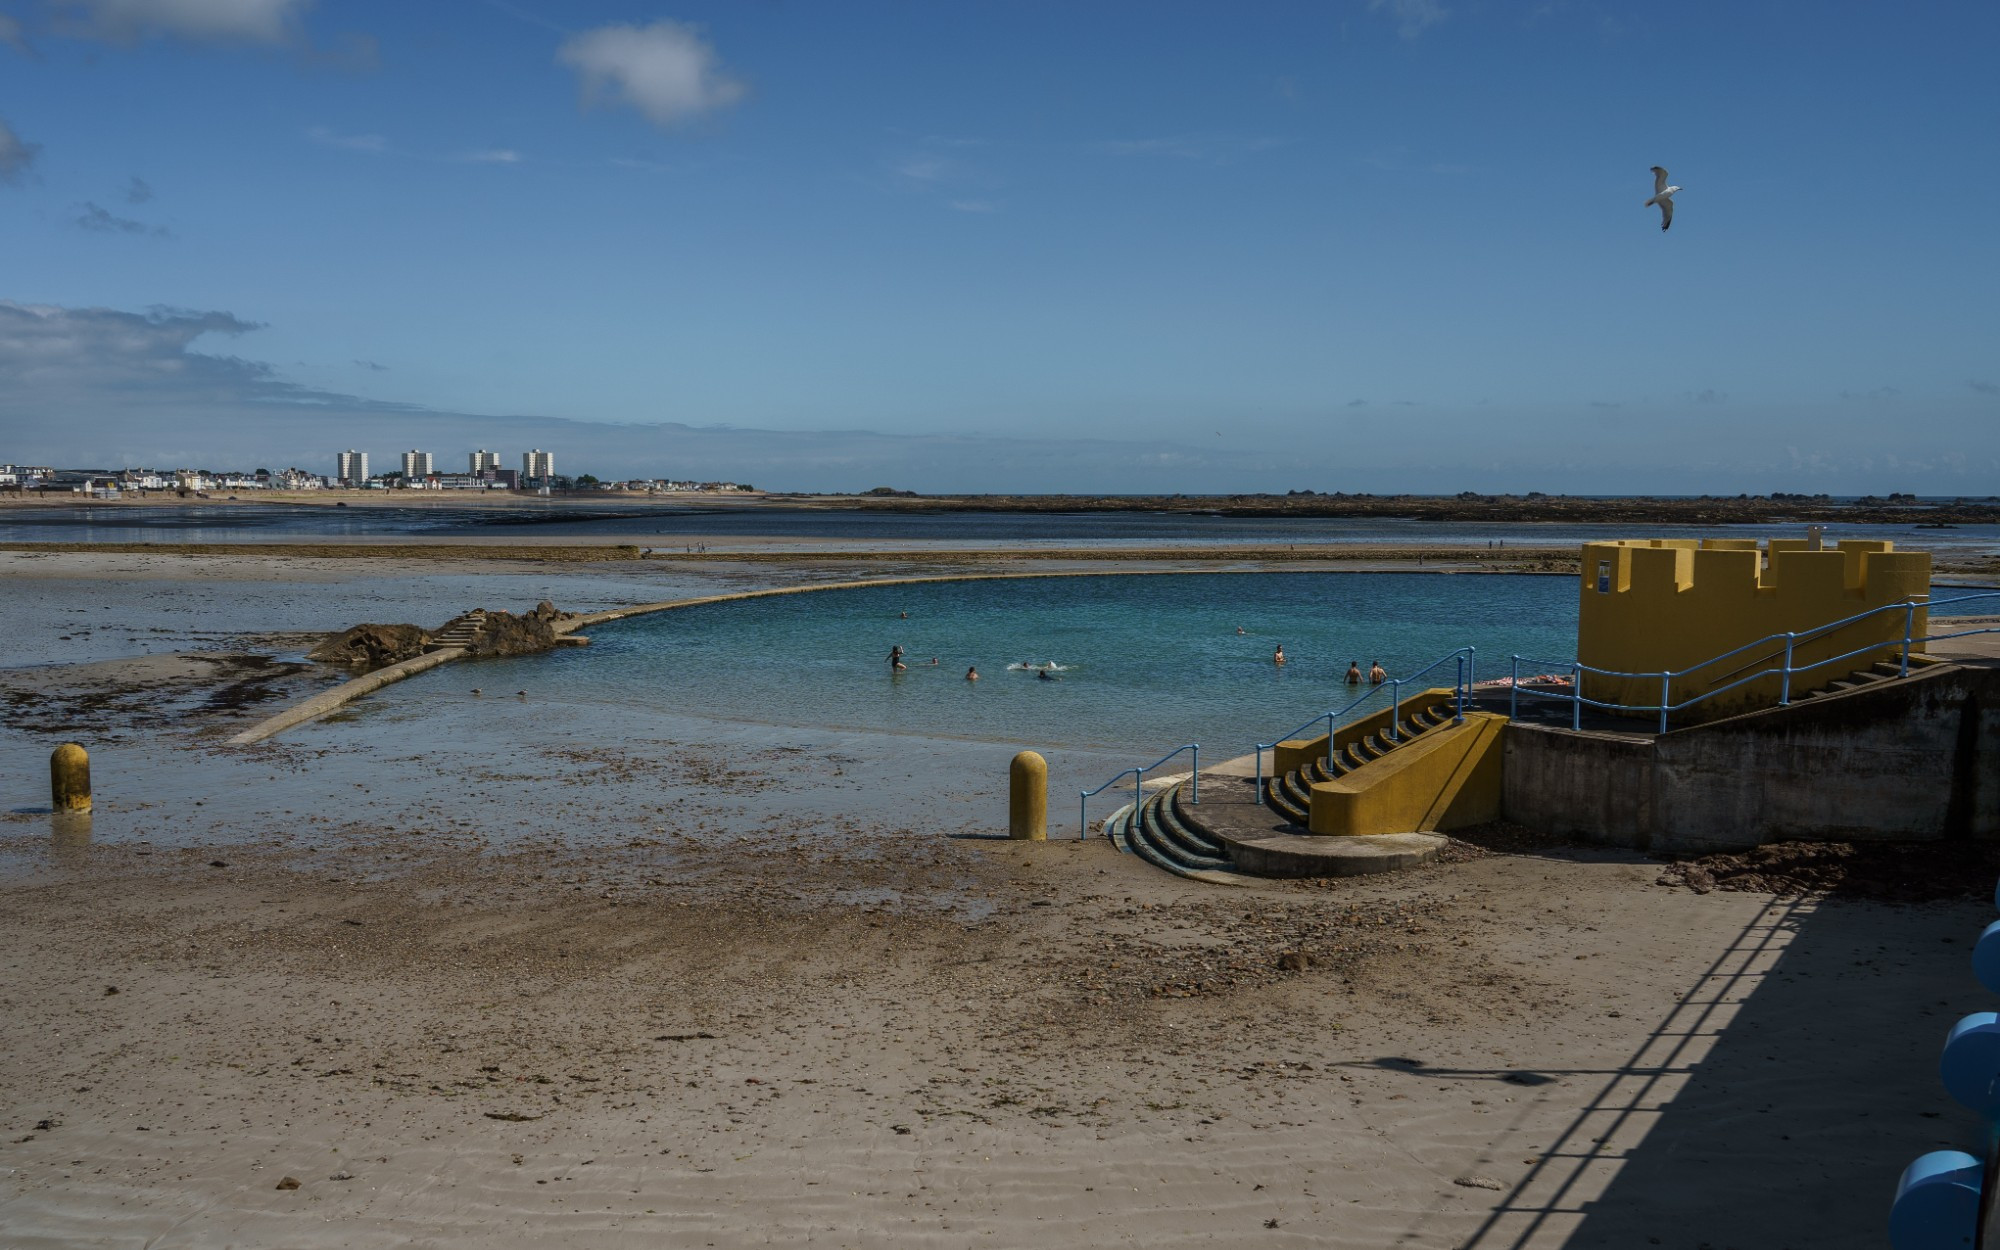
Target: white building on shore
point(538, 465)
point(353, 467)
point(483, 460)
point(416, 466)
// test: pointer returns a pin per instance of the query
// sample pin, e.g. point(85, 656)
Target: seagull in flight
point(1663, 195)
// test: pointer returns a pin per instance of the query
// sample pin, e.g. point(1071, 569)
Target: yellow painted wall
point(1655, 604)
point(1447, 779)
point(1295, 752)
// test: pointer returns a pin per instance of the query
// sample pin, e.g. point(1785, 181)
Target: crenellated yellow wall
point(1668, 603)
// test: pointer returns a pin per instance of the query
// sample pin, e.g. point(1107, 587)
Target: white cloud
point(246, 21)
point(665, 70)
point(1413, 17)
point(351, 143)
point(492, 156)
point(16, 154)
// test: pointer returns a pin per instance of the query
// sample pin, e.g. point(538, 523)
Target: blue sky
point(1380, 246)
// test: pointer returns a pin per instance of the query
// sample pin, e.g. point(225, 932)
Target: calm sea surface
point(268, 522)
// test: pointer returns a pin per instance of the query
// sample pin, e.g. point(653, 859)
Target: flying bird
point(1663, 195)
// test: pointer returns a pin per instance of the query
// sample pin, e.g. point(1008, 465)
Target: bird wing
point(1659, 180)
point(1666, 213)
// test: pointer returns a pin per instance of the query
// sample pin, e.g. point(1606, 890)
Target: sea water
point(1139, 661)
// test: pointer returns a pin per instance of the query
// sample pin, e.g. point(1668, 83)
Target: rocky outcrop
point(371, 646)
point(503, 633)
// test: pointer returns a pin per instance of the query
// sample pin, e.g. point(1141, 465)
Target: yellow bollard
point(1028, 798)
point(69, 778)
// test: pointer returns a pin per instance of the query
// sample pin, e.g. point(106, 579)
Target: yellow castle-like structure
point(1670, 604)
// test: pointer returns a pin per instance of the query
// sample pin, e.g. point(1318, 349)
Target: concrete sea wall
point(1919, 759)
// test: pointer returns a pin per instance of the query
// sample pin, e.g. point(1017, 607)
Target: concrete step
point(1147, 839)
point(1162, 830)
point(1260, 844)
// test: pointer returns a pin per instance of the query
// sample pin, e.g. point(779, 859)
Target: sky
point(1351, 245)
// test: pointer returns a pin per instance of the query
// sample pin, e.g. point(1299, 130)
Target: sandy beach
point(726, 992)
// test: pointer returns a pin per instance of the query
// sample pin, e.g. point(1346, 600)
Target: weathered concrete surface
point(329, 700)
point(1261, 843)
point(1912, 759)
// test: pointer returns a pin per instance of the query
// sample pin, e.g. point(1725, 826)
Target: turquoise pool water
point(1144, 661)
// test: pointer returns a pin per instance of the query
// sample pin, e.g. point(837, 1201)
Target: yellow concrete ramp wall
point(1447, 779)
point(1293, 753)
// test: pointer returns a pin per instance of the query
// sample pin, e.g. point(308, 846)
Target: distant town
point(416, 470)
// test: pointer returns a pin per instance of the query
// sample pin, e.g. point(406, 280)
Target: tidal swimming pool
point(1144, 661)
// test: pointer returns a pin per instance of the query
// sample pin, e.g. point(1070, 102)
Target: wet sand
point(741, 989)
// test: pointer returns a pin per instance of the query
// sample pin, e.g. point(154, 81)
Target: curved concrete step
point(1149, 843)
point(1283, 804)
point(1259, 844)
point(1117, 827)
point(1152, 830)
point(1185, 836)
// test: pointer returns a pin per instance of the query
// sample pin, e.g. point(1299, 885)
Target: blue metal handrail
point(1464, 657)
point(1138, 776)
point(1785, 672)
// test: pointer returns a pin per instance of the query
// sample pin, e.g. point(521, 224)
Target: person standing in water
point(972, 674)
point(896, 664)
point(1375, 674)
point(1354, 672)
point(1278, 656)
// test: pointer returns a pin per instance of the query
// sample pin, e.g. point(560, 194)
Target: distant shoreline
point(1467, 507)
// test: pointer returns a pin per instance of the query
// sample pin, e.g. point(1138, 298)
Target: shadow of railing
point(1772, 1106)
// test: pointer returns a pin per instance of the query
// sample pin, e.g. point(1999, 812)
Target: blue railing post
point(1785, 691)
point(1395, 708)
point(1260, 774)
point(1329, 741)
point(1666, 685)
point(1514, 691)
point(1194, 778)
point(1082, 814)
point(1471, 669)
point(1909, 627)
point(1460, 717)
point(1576, 697)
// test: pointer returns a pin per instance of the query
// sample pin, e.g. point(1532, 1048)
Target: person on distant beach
point(1278, 656)
point(1375, 674)
point(972, 674)
point(1354, 672)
